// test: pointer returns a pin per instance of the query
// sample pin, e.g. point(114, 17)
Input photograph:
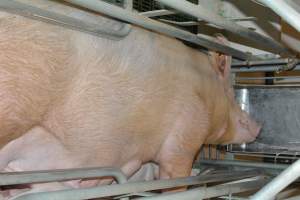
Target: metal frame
point(127, 15)
point(142, 19)
point(129, 187)
point(145, 22)
point(210, 192)
point(200, 12)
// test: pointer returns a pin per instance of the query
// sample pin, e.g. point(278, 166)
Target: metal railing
point(124, 188)
point(44, 15)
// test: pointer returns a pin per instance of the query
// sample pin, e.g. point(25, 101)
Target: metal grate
point(148, 5)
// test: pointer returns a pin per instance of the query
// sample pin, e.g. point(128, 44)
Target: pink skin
point(71, 100)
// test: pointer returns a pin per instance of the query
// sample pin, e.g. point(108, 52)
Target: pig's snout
point(254, 129)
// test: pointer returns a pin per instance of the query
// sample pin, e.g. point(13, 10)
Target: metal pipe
point(124, 15)
point(280, 182)
point(265, 68)
point(261, 62)
point(199, 11)
point(63, 20)
point(135, 187)
point(16, 178)
point(267, 78)
point(210, 192)
point(284, 10)
point(244, 164)
point(157, 13)
point(196, 23)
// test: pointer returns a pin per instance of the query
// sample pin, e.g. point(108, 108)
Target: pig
point(72, 100)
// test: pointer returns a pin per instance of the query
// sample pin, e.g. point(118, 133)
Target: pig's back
point(126, 94)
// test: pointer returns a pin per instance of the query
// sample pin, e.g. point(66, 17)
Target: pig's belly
point(40, 150)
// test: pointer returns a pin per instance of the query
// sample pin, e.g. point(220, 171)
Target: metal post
point(125, 15)
point(288, 176)
point(200, 12)
point(284, 10)
point(135, 187)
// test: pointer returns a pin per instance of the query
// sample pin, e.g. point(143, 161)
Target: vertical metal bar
point(200, 12)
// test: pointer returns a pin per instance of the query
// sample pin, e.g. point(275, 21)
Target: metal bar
point(62, 20)
point(15, 178)
point(261, 62)
point(280, 182)
point(244, 164)
point(266, 78)
point(265, 68)
point(135, 187)
point(233, 198)
point(196, 23)
point(284, 10)
point(210, 192)
point(187, 23)
point(200, 12)
point(284, 64)
point(157, 13)
point(124, 15)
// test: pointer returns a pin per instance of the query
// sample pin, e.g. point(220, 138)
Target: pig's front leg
point(187, 134)
point(176, 162)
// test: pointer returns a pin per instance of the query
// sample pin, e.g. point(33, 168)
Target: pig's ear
point(221, 62)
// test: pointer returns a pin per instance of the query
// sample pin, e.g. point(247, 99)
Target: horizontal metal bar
point(187, 23)
point(210, 192)
point(233, 198)
point(284, 10)
point(136, 187)
point(124, 15)
point(280, 182)
point(62, 20)
point(260, 62)
point(196, 23)
point(200, 12)
point(264, 68)
point(266, 78)
point(157, 13)
point(15, 178)
point(244, 164)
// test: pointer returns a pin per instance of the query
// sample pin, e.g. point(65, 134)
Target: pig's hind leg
point(36, 150)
